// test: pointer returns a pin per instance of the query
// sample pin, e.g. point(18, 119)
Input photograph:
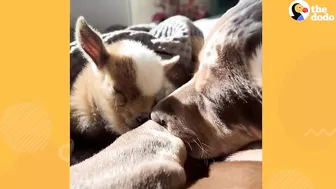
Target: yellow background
point(34, 73)
point(299, 96)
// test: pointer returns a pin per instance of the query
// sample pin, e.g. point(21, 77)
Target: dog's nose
point(156, 117)
point(142, 119)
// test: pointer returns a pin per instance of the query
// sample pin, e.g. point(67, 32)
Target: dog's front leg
point(147, 157)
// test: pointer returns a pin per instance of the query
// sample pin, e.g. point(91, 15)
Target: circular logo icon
point(299, 10)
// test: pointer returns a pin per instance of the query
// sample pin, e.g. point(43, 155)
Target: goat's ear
point(90, 43)
point(169, 63)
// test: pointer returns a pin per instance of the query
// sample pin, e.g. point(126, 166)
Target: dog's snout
point(155, 116)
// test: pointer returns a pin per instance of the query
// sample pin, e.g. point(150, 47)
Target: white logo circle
point(299, 10)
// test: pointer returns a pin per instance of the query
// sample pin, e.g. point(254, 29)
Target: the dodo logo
point(299, 10)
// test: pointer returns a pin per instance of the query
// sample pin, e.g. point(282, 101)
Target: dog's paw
point(160, 174)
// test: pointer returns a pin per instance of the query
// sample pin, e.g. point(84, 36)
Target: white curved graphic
point(322, 132)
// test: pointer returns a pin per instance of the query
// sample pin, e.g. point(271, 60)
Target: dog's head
point(219, 110)
point(126, 74)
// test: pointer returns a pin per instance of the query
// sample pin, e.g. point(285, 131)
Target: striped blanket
point(169, 38)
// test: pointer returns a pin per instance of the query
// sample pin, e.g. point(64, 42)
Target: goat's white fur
point(149, 69)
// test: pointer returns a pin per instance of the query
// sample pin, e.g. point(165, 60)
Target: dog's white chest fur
point(256, 67)
point(247, 155)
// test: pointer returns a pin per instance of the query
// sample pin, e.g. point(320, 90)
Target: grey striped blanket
point(169, 38)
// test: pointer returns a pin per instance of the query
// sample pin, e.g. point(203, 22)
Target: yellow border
point(34, 81)
point(299, 135)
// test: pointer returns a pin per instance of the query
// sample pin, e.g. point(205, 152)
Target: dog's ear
point(90, 43)
point(169, 63)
